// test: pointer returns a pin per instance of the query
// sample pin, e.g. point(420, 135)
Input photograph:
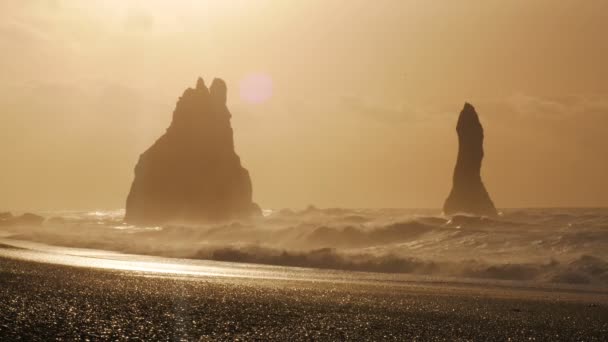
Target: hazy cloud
point(384, 112)
point(553, 108)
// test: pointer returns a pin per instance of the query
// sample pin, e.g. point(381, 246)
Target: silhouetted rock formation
point(469, 195)
point(192, 173)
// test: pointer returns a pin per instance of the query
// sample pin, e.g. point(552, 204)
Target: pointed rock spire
point(468, 194)
point(200, 84)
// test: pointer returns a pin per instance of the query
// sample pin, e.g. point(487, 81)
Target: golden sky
point(365, 97)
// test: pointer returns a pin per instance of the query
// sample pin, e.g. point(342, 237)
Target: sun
point(256, 88)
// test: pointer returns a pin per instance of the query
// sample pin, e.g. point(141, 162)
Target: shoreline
point(172, 266)
point(43, 301)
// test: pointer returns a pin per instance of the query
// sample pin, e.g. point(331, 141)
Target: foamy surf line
point(151, 265)
point(548, 246)
point(90, 258)
point(27, 251)
point(109, 260)
point(140, 265)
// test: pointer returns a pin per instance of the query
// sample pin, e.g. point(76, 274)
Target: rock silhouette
point(192, 173)
point(468, 194)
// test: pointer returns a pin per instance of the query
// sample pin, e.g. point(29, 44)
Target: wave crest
point(532, 245)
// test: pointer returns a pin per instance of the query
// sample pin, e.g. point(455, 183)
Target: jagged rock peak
point(192, 173)
point(219, 90)
point(200, 84)
point(469, 194)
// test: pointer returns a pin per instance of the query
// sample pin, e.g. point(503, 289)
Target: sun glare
point(256, 88)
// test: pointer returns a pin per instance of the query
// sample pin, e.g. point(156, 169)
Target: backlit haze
point(334, 103)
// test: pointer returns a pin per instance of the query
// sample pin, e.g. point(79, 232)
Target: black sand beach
point(50, 302)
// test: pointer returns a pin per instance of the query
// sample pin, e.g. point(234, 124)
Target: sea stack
point(469, 195)
point(192, 173)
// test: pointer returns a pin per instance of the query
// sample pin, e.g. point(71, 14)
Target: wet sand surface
point(40, 301)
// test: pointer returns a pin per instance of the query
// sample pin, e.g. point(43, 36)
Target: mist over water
point(540, 245)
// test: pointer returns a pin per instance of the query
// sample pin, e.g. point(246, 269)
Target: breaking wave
point(544, 245)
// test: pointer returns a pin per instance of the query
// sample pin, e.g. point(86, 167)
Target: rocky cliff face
point(192, 173)
point(469, 195)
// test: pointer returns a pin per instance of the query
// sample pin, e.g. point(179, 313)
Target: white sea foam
point(545, 245)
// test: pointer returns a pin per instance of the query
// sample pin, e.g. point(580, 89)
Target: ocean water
point(551, 246)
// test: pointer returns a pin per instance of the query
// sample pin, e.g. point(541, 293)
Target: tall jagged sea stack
point(468, 194)
point(192, 173)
